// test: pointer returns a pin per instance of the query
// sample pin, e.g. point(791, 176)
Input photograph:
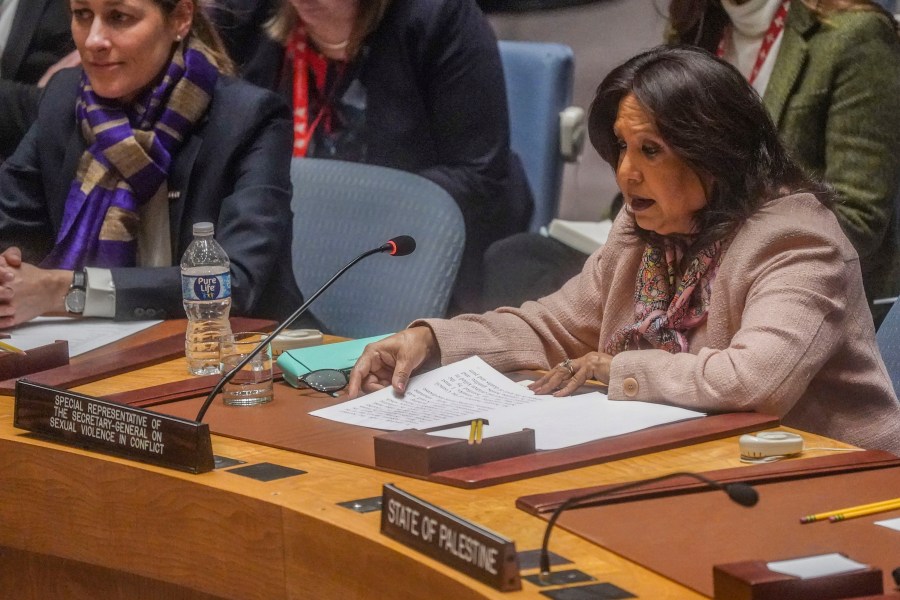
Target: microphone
point(397, 246)
point(741, 493)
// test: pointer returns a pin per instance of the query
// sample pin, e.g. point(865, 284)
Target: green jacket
point(835, 96)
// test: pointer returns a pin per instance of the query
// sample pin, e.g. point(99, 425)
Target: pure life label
point(206, 287)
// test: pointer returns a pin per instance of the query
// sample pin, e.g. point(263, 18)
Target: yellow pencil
point(10, 348)
point(863, 511)
point(472, 427)
point(479, 430)
point(826, 515)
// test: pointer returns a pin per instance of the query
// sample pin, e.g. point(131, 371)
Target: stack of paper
point(471, 389)
point(83, 335)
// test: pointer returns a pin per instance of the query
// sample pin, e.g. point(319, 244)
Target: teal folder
point(342, 355)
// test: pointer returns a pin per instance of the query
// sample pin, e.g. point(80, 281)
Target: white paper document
point(472, 389)
point(816, 566)
point(890, 524)
point(82, 334)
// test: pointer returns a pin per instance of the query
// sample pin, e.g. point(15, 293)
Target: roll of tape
point(770, 443)
point(290, 339)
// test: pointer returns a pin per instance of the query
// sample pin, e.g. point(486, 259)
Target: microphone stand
point(228, 377)
point(742, 493)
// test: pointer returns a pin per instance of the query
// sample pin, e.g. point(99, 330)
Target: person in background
point(726, 283)
point(831, 82)
point(34, 37)
point(830, 79)
point(415, 85)
point(126, 154)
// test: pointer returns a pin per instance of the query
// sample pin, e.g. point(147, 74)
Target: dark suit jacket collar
point(24, 26)
point(179, 181)
point(791, 59)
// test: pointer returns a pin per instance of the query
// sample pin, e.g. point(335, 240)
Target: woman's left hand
point(569, 375)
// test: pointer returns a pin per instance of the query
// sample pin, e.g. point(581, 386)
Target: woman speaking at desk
point(726, 284)
point(149, 138)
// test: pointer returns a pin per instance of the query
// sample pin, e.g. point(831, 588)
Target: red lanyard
point(775, 29)
point(301, 56)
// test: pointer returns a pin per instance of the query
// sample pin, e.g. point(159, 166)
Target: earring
point(177, 38)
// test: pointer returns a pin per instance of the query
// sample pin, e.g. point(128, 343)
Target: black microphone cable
point(397, 246)
point(741, 493)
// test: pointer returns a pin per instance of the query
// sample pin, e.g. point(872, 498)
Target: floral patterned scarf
point(665, 308)
point(127, 162)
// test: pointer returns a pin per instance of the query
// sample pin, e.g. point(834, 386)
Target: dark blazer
point(436, 106)
point(233, 170)
point(41, 35)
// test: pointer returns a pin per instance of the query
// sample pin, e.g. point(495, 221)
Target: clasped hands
point(27, 291)
point(391, 362)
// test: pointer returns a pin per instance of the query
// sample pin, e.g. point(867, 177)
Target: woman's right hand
point(391, 361)
point(27, 291)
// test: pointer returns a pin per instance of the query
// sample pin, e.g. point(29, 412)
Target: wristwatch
point(77, 293)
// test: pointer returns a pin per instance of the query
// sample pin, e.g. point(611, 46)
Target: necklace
point(329, 46)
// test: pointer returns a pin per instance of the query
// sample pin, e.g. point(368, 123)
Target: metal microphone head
point(400, 245)
point(742, 493)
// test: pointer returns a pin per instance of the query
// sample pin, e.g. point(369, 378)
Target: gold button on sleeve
point(630, 387)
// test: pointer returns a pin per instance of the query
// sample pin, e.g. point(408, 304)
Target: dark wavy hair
point(711, 118)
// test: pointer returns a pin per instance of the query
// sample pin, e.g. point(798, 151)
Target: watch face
point(75, 301)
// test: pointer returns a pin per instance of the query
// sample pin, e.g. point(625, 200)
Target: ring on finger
point(567, 365)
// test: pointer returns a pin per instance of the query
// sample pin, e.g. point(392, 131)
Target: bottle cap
point(203, 228)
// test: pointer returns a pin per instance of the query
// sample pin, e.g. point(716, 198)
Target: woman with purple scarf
point(725, 285)
point(150, 136)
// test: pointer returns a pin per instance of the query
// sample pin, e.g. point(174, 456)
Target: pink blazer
point(788, 332)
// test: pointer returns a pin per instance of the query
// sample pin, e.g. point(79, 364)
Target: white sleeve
point(100, 300)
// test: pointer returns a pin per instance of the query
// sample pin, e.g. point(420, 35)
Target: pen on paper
point(851, 511)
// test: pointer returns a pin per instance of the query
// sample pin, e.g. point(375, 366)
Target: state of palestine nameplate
point(450, 539)
point(112, 428)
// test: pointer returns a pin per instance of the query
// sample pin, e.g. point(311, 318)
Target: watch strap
point(79, 280)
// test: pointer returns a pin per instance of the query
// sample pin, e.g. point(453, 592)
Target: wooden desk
point(75, 524)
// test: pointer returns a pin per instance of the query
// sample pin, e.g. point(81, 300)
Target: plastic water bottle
point(206, 290)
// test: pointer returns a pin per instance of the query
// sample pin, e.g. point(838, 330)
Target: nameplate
point(112, 428)
point(449, 539)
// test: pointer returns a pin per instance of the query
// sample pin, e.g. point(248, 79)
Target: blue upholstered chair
point(342, 209)
point(544, 130)
point(888, 337)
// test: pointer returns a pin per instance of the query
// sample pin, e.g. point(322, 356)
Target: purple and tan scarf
point(665, 307)
point(127, 162)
